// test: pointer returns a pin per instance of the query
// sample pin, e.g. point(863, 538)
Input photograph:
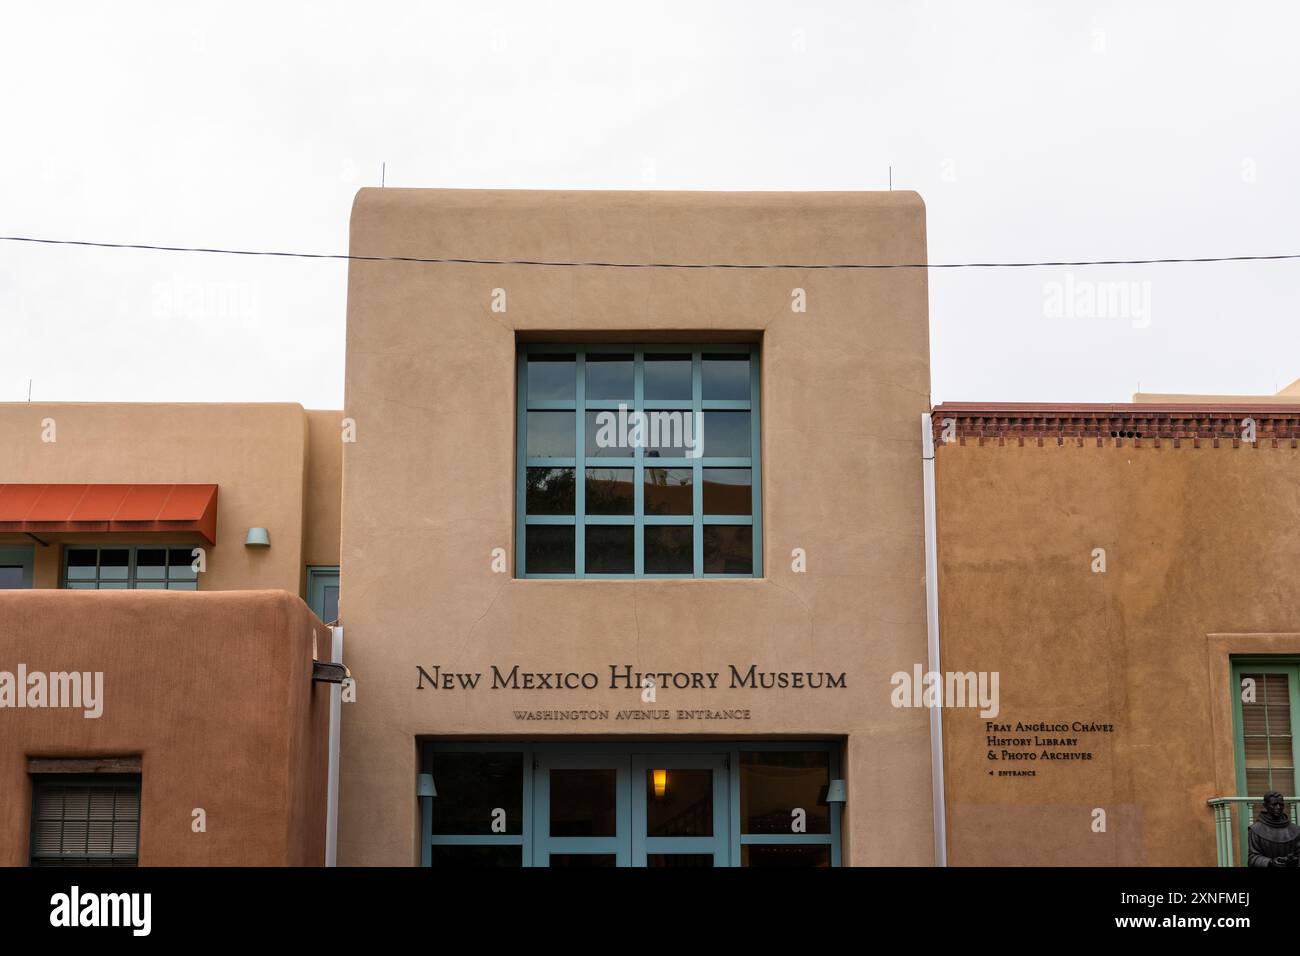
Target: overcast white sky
point(1034, 130)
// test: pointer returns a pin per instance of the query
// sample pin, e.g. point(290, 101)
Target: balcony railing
point(1230, 827)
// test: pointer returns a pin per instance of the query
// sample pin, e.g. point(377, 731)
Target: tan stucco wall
point(1200, 564)
point(214, 693)
point(324, 488)
point(257, 454)
point(429, 484)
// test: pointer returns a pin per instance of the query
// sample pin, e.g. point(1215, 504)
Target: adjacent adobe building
point(574, 647)
point(1128, 570)
point(169, 727)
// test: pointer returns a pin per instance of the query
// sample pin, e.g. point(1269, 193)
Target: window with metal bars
point(91, 820)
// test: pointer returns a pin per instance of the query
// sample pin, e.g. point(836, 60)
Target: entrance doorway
point(632, 810)
point(651, 804)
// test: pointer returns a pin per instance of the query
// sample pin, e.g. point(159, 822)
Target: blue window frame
point(638, 461)
point(323, 592)
point(650, 803)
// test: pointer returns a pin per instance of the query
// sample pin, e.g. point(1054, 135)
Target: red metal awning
point(109, 508)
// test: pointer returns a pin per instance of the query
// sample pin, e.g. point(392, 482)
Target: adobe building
point(1128, 571)
point(636, 558)
point(577, 647)
point(173, 727)
point(162, 729)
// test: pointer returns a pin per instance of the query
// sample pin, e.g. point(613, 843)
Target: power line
point(642, 265)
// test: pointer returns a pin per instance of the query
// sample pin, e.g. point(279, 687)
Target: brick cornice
point(1275, 424)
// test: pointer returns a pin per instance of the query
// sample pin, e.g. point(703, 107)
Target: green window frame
point(717, 539)
point(85, 820)
point(323, 592)
point(100, 567)
point(530, 842)
point(1265, 731)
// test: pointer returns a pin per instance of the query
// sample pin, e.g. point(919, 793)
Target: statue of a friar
point(1274, 839)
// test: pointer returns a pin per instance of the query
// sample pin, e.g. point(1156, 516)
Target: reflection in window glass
point(671, 433)
point(116, 569)
point(608, 436)
point(472, 787)
point(550, 491)
point(550, 435)
point(726, 434)
point(551, 378)
point(82, 563)
point(668, 491)
point(151, 563)
point(114, 563)
point(667, 377)
point(180, 564)
point(679, 803)
point(610, 491)
point(727, 491)
point(775, 783)
point(726, 377)
point(645, 424)
point(609, 376)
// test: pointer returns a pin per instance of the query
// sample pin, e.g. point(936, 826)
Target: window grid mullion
point(638, 470)
point(580, 462)
point(755, 478)
point(697, 467)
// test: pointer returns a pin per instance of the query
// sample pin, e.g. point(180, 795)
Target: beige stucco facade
point(275, 465)
point(429, 485)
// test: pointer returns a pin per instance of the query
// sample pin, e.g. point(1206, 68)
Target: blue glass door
point(680, 810)
point(583, 810)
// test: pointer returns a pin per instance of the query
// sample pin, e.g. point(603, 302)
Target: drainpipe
point(332, 787)
point(932, 642)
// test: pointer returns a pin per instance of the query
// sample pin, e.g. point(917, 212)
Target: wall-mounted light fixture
point(659, 778)
point(424, 786)
point(836, 793)
point(257, 538)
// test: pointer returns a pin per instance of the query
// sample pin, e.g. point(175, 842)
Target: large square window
point(638, 461)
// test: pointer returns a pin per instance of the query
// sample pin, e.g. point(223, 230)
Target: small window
point(91, 820)
point(1265, 696)
point(638, 461)
point(15, 568)
point(122, 568)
